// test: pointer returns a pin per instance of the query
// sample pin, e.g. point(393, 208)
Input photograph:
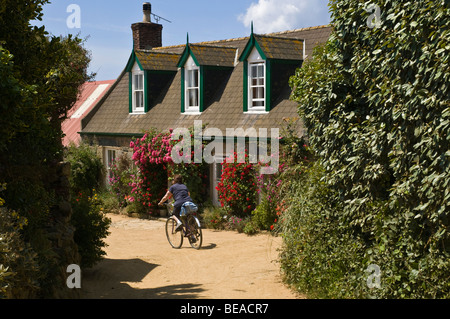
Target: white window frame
point(109, 160)
point(254, 61)
point(218, 164)
point(137, 72)
point(191, 68)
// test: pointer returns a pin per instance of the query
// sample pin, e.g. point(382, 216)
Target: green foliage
point(194, 172)
point(88, 218)
point(237, 186)
point(86, 168)
point(214, 217)
point(151, 155)
point(122, 173)
point(376, 106)
point(320, 255)
point(40, 77)
point(236, 223)
point(264, 214)
point(18, 263)
point(91, 227)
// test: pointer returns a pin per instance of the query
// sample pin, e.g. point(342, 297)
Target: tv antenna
point(148, 12)
point(157, 18)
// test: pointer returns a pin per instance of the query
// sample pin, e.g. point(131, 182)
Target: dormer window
point(268, 63)
point(192, 86)
point(257, 85)
point(256, 82)
point(137, 87)
point(203, 70)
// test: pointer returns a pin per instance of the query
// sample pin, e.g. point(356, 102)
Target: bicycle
point(190, 229)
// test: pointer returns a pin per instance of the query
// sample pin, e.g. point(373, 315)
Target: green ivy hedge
point(376, 105)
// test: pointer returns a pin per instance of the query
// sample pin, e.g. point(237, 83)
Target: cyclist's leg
point(176, 215)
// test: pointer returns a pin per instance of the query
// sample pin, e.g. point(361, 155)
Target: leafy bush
point(41, 76)
point(214, 217)
point(376, 106)
point(91, 226)
point(236, 223)
point(320, 256)
point(19, 269)
point(151, 155)
point(264, 214)
point(237, 186)
point(86, 168)
point(122, 173)
point(194, 174)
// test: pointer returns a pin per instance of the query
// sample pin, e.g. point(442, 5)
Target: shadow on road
point(109, 280)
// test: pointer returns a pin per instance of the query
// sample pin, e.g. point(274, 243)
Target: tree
point(40, 78)
point(376, 105)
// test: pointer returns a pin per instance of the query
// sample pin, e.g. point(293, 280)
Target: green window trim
point(201, 99)
point(268, 87)
point(130, 93)
point(252, 43)
point(129, 68)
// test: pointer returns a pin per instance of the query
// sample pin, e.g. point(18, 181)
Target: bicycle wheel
point(175, 238)
point(195, 232)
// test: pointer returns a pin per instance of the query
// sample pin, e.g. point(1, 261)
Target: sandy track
point(141, 264)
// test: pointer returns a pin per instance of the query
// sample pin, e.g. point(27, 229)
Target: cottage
point(239, 83)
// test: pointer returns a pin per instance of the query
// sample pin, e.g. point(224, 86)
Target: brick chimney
point(147, 35)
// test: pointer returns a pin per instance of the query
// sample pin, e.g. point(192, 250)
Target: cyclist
point(181, 195)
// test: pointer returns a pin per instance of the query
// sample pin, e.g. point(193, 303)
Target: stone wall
point(61, 233)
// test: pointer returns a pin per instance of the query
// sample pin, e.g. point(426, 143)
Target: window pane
point(258, 103)
point(192, 78)
point(218, 171)
point(193, 97)
point(261, 71)
point(254, 71)
point(111, 157)
point(138, 82)
point(258, 93)
point(139, 99)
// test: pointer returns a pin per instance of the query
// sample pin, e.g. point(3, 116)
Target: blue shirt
point(180, 194)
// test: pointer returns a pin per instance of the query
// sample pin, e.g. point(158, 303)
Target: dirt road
point(141, 264)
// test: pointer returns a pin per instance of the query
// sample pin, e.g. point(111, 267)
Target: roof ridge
point(155, 51)
point(243, 38)
point(277, 37)
point(300, 29)
point(202, 44)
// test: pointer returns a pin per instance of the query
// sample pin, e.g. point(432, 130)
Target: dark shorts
point(177, 211)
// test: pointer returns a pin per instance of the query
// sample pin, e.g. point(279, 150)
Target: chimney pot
point(147, 8)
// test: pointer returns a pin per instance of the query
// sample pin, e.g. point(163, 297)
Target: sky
point(106, 25)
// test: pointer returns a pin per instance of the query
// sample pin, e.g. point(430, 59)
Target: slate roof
point(280, 48)
point(214, 55)
point(158, 61)
point(111, 115)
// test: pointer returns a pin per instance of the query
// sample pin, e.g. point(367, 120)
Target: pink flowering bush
point(194, 174)
point(237, 187)
point(151, 155)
